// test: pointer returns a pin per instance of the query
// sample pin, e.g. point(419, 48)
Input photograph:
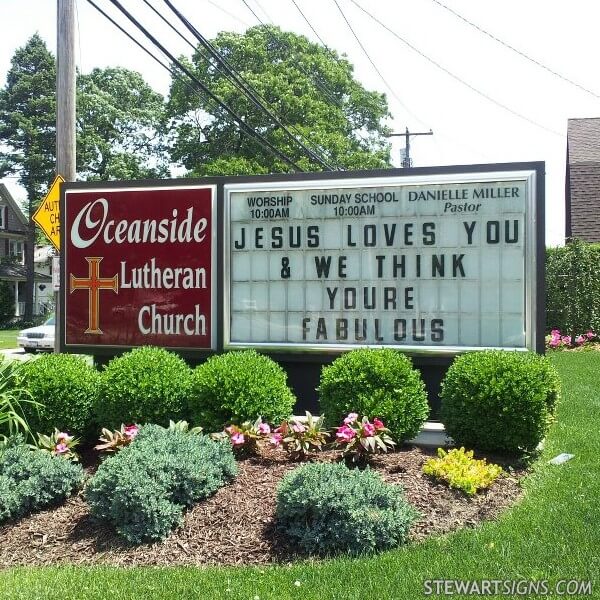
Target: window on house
point(17, 250)
point(3, 217)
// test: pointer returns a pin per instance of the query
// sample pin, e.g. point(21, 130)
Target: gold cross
point(94, 283)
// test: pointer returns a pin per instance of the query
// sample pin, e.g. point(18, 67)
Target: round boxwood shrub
point(328, 508)
point(237, 387)
point(67, 388)
point(498, 400)
point(377, 383)
point(145, 385)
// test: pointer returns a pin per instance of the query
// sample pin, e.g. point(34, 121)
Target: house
point(13, 240)
point(582, 182)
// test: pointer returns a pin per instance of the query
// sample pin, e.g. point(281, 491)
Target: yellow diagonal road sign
point(47, 216)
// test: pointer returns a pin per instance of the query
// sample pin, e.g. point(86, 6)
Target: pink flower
point(61, 449)
point(231, 429)
point(237, 439)
point(555, 333)
point(579, 339)
point(131, 431)
point(345, 433)
point(298, 427)
point(368, 429)
point(350, 418)
point(63, 436)
point(566, 339)
point(590, 334)
point(264, 428)
point(553, 343)
point(276, 439)
point(378, 424)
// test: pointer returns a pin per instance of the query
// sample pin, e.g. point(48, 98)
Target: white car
point(37, 338)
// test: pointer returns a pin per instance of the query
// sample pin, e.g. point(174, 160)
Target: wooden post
point(65, 109)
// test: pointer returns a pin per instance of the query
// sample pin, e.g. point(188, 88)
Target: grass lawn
point(8, 338)
point(553, 534)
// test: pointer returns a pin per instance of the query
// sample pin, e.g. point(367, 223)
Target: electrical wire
point(237, 118)
point(244, 86)
point(326, 90)
point(456, 77)
point(312, 28)
point(362, 47)
point(174, 29)
point(196, 49)
point(139, 44)
point(223, 10)
point(515, 50)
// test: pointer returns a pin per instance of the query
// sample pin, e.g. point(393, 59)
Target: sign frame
point(532, 173)
point(141, 185)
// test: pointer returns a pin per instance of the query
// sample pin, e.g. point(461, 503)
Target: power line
point(456, 77)
point(389, 87)
point(269, 18)
point(243, 85)
point(239, 120)
point(312, 28)
point(328, 92)
point(142, 47)
point(516, 50)
point(174, 29)
point(234, 17)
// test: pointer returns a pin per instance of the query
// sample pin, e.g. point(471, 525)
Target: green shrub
point(500, 401)
point(142, 490)
point(33, 479)
point(328, 508)
point(460, 470)
point(376, 383)
point(573, 288)
point(237, 387)
point(145, 385)
point(7, 303)
point(67, 387)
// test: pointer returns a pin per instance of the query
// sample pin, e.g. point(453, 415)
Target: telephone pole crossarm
point(406, 160)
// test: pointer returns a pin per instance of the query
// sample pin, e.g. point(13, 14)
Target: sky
point(518, 113)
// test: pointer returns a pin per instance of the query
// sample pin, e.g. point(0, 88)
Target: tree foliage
point(118, 125)
point(118, 117)
point(28, 117)
point(312, 91)
point(28, 132)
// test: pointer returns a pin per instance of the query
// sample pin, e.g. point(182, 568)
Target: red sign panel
point(139, 267)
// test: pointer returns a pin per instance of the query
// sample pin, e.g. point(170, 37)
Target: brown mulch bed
point(236, 525)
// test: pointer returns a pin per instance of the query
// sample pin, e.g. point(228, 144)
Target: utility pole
point(65, 110)
point(406, 160)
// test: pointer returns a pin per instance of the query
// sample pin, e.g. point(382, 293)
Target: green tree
point(118, 119)
point(28, 133)
point(309, 88)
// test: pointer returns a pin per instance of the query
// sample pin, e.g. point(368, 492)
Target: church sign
point(430, 261)
point(430, 264)
point(139, 267)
